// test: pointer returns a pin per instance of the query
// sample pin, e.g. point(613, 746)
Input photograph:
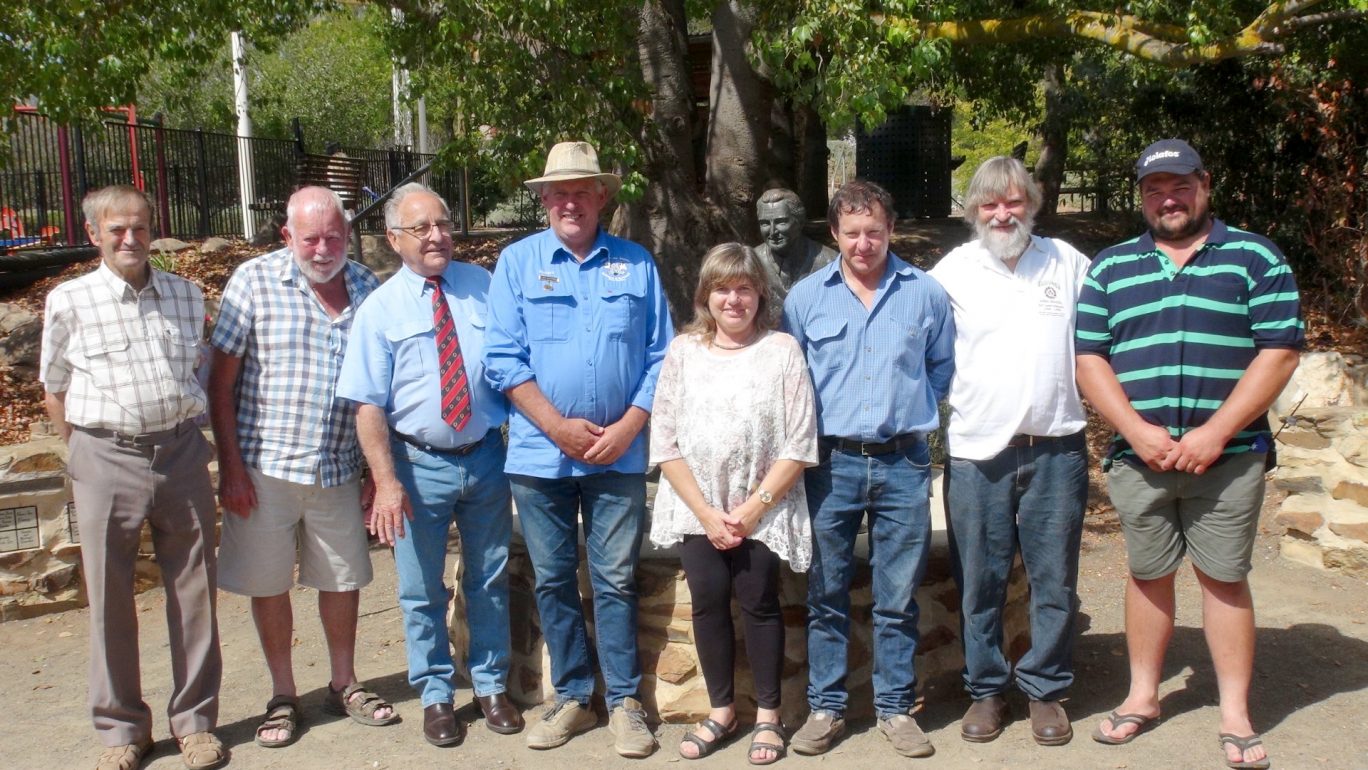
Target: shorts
point(324, 527)
point(1213, 517)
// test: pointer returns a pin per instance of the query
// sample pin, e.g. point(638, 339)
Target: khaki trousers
point(117, 485)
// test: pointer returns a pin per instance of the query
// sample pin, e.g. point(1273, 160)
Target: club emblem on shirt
point(615, 270)
point(548, 280)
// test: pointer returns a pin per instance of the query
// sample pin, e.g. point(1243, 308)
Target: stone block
point(1356, 491)
point(1354, 449)
point(1350, 561)
point(1306, 438)
point(214, 245)
point(165, 245)
point(1306, 522)
point(1302, 551)
point(20, 335)
point(1352, 531)
point(1296, 482)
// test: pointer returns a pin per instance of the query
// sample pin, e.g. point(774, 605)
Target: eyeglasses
point(421, 231)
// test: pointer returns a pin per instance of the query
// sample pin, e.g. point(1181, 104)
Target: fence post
point(40, 199)
point(78, 148)
point(68, 193)
point(201, 179)
point(163, 197)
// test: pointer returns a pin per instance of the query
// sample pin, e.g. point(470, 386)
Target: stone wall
point(1323, 464)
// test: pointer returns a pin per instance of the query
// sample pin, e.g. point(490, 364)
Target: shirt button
point(869, 350)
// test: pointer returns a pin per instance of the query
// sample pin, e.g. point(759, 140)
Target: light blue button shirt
point(592, 334)
point(391, 357)
point(877, 373)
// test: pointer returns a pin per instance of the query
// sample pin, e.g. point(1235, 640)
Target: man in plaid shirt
point(120, 350)
point(289, 464)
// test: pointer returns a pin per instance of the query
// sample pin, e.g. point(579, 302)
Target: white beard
point(317, 274)
point(1009, 246)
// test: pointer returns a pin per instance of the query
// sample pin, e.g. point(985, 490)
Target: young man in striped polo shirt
point(1186, 334)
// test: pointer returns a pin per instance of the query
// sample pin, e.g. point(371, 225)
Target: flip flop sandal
point(1243, 743)
point(705, 746)
point(1143, 725)
point(282, 713)
point(759, 745)
point(361, 709)
point(201, 751)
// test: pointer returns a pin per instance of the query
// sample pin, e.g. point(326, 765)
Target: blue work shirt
point(877, 373)
point(391, 359)
point(592, 334)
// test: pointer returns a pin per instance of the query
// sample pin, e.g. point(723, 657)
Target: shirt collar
point(831, 274)
point(122, 290)
point(416, 284)
point(558, 251)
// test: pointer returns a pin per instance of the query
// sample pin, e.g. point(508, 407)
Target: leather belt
point(155, 438)
point(874, 449)
point(1027, 440)
point(460, 451)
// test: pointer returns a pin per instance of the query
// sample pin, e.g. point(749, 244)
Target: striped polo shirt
point(1180, 339)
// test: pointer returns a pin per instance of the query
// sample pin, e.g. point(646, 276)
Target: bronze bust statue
point(789, 254)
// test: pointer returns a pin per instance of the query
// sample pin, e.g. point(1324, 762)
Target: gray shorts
point(1214, 516)
point(322, 527)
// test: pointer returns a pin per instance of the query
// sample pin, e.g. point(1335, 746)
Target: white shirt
point(731, 418)
point(126, 359)
point(1014, 345)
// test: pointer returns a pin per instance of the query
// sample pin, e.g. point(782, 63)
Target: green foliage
point(332, 73)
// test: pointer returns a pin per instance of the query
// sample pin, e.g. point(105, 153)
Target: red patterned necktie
point(450, 363)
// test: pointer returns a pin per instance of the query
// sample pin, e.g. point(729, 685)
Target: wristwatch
point(765, 496)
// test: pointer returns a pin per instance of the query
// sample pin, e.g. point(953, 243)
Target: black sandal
point(757, 745)
point(706, 747)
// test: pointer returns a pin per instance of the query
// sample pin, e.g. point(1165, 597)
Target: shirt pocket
point(825, 338)
point(182, 351)
point(109, 362)
point(910, 336)
point(548, 318)
point(623, 307)
point(414, 348)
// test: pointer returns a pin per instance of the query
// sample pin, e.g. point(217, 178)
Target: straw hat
point(574, 160)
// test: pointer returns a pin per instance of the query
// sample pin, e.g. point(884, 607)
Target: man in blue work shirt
point(578, 327)
point(429, 427)
point(879, 338)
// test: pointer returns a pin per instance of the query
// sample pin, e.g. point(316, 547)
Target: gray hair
point(98, 203)
point(997, 177)
point(788, 198)
point(314, 197)
point(396, 200)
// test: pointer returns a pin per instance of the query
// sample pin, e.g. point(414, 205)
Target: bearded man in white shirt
point(1017, 474)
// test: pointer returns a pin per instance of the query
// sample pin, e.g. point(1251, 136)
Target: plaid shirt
point(125, 359)
point(291, 425)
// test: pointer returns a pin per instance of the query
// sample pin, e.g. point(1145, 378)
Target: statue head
point(781, 216)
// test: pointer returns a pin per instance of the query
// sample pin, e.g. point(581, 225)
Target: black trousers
point(751, 570)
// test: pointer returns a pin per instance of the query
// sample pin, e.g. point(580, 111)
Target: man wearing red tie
point(429, 427)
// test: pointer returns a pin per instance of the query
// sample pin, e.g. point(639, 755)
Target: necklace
point(719, 346)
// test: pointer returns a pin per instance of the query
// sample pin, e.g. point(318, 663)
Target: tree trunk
point(739, 119)
point(1054, 134)
point(672, 219)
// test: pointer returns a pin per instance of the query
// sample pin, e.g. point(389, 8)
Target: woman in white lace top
point(732, 428)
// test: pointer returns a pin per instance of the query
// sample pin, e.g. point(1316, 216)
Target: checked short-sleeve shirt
point(291, 424)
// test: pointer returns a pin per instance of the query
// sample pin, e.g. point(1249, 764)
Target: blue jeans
point(894, 490)
point(613, 509)
point(473, 490)
point(1032, 498)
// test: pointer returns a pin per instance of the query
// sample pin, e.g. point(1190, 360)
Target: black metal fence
point(191, 175)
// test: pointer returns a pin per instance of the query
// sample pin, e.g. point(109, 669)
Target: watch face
point(766, 497)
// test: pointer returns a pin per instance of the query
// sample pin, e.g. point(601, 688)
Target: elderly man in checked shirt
point(289, 463)
point(879, 339)
point(120, 350)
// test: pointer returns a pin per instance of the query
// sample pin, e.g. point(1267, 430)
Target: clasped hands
point(1193, 453)
point(726, 530)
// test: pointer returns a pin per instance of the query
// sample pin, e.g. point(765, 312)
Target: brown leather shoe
point(1049, 724)
point(440, 725)
point(500, 714)
point(983, 721)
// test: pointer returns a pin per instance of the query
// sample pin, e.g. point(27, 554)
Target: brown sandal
point(282, 713)
point(361, 709)
point(201, 751)
point(126, 757)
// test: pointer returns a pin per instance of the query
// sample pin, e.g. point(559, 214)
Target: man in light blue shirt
point(879, 339)
point(436, 453)
point(578, 327)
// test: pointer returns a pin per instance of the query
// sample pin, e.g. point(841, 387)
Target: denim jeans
point(613, 509)
point(894, 491)
point(473, 490)
point(1032, 498)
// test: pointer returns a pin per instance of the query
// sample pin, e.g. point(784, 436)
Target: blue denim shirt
point(391, 359)
point(877, 373)
point(592, 334)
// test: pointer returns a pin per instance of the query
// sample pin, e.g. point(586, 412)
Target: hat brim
point(1180, 169)
point(612, 182)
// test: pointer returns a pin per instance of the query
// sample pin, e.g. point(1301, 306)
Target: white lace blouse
point(731, 418)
